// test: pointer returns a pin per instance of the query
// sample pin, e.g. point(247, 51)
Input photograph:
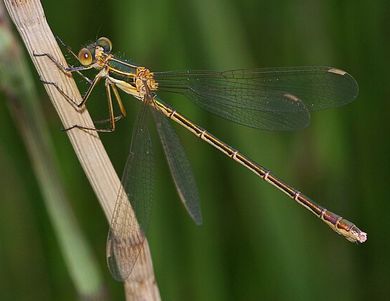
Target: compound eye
point(85, 57)
point(105, 43)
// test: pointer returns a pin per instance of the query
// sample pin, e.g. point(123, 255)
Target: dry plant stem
point(29, 19)
point(26, 111)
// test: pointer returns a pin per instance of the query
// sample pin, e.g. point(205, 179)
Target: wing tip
point(337, 71)
point(354, 87)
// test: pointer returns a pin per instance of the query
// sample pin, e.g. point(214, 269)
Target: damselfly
point(270, 99)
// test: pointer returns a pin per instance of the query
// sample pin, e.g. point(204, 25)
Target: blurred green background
point(255, 243)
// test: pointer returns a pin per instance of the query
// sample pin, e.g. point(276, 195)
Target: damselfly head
point(95, 51)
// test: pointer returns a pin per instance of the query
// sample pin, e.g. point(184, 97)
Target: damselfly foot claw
point(86, 128)
point(38, 54)
point(45, 82)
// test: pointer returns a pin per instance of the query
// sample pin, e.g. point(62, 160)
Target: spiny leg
point(116, 118)
point(70, 68)
point(112, 119)
point(89, 90)
point(70, 99)
point(66, 70)
point(119, 100)
point(66, 96)
point(66, 47)
point(69, 50)
point(120, 104)
point(110, 106)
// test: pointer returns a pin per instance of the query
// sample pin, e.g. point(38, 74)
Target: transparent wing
point(125, 238)
point(180, 167)
point(272, 99)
